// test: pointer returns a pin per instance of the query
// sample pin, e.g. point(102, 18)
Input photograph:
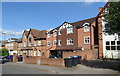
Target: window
point(24, 36)
point(69, 41)
point(59, 42)
point(39, 42)
point(24, 44)
point(48, 34)
point(48, 43)
point(69, 30)
point(87, 40)
point(55, 34)
point(59, 32)
point(55, 42)
point(112, 45)
point(86, 28)
point(39, 53)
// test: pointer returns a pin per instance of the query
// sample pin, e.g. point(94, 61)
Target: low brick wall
point(106, 64)
point(88, 55)
point(33, 59)
point(53, 62)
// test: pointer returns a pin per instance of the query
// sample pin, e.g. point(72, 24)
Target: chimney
point(100, 8)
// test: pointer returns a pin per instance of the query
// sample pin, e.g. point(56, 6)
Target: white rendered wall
point(109, 53)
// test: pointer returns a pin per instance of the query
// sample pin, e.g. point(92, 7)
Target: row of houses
point(85, 38)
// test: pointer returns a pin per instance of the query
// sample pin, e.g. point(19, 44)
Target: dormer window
point(59, 32)
point(69, 30)
point(86, 27)
point(48, 34)
point(55, 33)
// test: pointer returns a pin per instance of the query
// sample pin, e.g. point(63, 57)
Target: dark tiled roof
point(80, 23)
point(38, 33)
point(19, 40)
point(57, 27)
point(13, 38)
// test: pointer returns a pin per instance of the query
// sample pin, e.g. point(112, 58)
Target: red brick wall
point(100, 43)
point(53, 62)
point(89, 54)
point(32, 60)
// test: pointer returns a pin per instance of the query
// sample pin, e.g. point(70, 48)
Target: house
point(23, 42)
point(11, 45)
point(34, 42)
point(20, 45)
point(69, 39)
point(2, 44)
point(109, 45)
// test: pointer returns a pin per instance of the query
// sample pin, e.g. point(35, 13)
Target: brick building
point(33, 42)
point(70, 39)
point(12, 46)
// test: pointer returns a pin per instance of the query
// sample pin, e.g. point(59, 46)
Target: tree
point(4, 52)
point(112, 18)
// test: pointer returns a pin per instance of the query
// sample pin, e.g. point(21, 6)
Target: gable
point(65, 25)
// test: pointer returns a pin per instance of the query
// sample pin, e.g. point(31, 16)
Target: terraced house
point(34, 42)
point(69, 39)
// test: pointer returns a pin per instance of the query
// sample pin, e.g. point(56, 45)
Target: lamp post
point(4, 33)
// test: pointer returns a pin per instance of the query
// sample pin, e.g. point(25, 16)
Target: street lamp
point(4, 33)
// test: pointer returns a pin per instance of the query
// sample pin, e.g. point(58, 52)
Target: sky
point(19, 16)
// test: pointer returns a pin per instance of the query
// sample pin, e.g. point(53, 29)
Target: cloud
point(10, 32)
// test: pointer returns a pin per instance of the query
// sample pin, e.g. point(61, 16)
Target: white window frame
point(59, 32)
point(69, 40)
point(55, 33)
point(39, 53)
point(48, 35)
point(55, 43)
point(48, 42)
point(69, 30)
point(39, 43)
point(86, 28)
point(110, 45)
point(59, 42)
point(24, 44)
point(87, 40)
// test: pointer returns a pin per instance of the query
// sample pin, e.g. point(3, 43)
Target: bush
point(4, 52)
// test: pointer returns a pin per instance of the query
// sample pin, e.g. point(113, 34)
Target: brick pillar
point(15, 57)
point(24, 56)
point(100, 40)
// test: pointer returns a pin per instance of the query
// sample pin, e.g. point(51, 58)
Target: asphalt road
point(11, 69)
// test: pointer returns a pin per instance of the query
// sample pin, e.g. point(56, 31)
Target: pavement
point(79, 69)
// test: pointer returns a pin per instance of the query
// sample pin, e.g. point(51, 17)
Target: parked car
point(3, 59)
point(10, 57)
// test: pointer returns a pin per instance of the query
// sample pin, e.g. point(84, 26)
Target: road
point(24, 68)
point(11, 69)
